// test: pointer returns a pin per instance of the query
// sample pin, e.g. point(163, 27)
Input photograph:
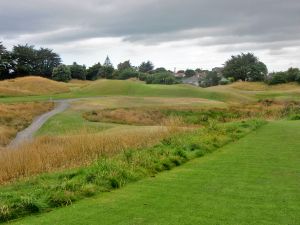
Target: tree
point(26, 59)
point(245, 67)
point(46, 60)
point(190, 73)
point(277, 78)
point(106, 72)
point(30, 61)
point(146, 67)
point(161, 78)
point(6, 63)
point(78, 71)
point(160, 70)
point(127, 73)
point(61, 73)
point(124, 65)
point(211, 79)
point(93, 73)
point(292, 74)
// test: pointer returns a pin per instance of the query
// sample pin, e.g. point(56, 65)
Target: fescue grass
point(129, 88)
point(53, 153)
point(17, 116)
point(193, 115)
point(254, 181)
point(31, 85)
point(116, 167)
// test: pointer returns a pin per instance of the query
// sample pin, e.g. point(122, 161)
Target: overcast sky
point(171, 33)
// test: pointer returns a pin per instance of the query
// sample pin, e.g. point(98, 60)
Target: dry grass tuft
point(15, 117)
point(259, 86)
point(47, 154)
point(31, 85)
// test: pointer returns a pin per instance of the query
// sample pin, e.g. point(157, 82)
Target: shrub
point(106, 72)
point(292, 74)
point(224, 81)
point(61, 73)
point(277, 78)
point(127, 73)
point(78, 71)
point(161, 78)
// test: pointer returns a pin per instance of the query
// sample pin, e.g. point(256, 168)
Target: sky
point(170, 33)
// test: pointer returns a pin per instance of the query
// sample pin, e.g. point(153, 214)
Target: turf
point(253, 181)
point(70, 122)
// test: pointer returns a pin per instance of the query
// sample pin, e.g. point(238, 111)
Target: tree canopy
point(78, 71)
point(61, 73)
point(146, 67)
point(245, 67)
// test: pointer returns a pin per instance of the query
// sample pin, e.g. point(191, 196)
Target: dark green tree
point(106, 72)
point(211, 79)
point(277, 78)
point(7, 65)
point(128, 73)
point(78, 71)
point(190, 73)
point(46, 60)
point(292, 74)
point(93, 72)
point(124, 65)
point(146, 67)
point(245, 67)
point(26, 59)
point(161, 78)
point(61, 73)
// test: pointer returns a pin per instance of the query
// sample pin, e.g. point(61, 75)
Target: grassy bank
point(42, 193)
point(252, 181)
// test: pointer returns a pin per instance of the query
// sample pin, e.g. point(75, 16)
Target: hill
point(31, 85)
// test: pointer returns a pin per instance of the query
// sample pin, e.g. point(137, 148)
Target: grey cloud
point(211, 22)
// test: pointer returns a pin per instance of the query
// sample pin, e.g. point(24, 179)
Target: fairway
point(253, 181)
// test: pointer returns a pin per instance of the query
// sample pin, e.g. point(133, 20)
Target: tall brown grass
point(47, 154)
point(17, 116)
point(31, 85)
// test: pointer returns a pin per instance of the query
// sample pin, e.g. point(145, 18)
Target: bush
point(224, 81)
point(127, 73)
point(106, 72)
point(93, 72)
point(277, 78)
point(61, 73)
point(78, 71)
point(161, 78)
point(292, 74)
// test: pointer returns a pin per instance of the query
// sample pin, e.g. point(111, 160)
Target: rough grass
point(51, 153)
point(31, 85)
point(17, 116)
point(119, 167)
point(254, 181)
point(192, 115)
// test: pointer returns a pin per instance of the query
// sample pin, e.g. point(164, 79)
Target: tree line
point(25, 60)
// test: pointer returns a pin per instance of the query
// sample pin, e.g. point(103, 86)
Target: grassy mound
point(132, 88)
point(31, 85)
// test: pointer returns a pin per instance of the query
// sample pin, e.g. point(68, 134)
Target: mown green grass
point(70, 122)
point(42, 193)
point(253, 181)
